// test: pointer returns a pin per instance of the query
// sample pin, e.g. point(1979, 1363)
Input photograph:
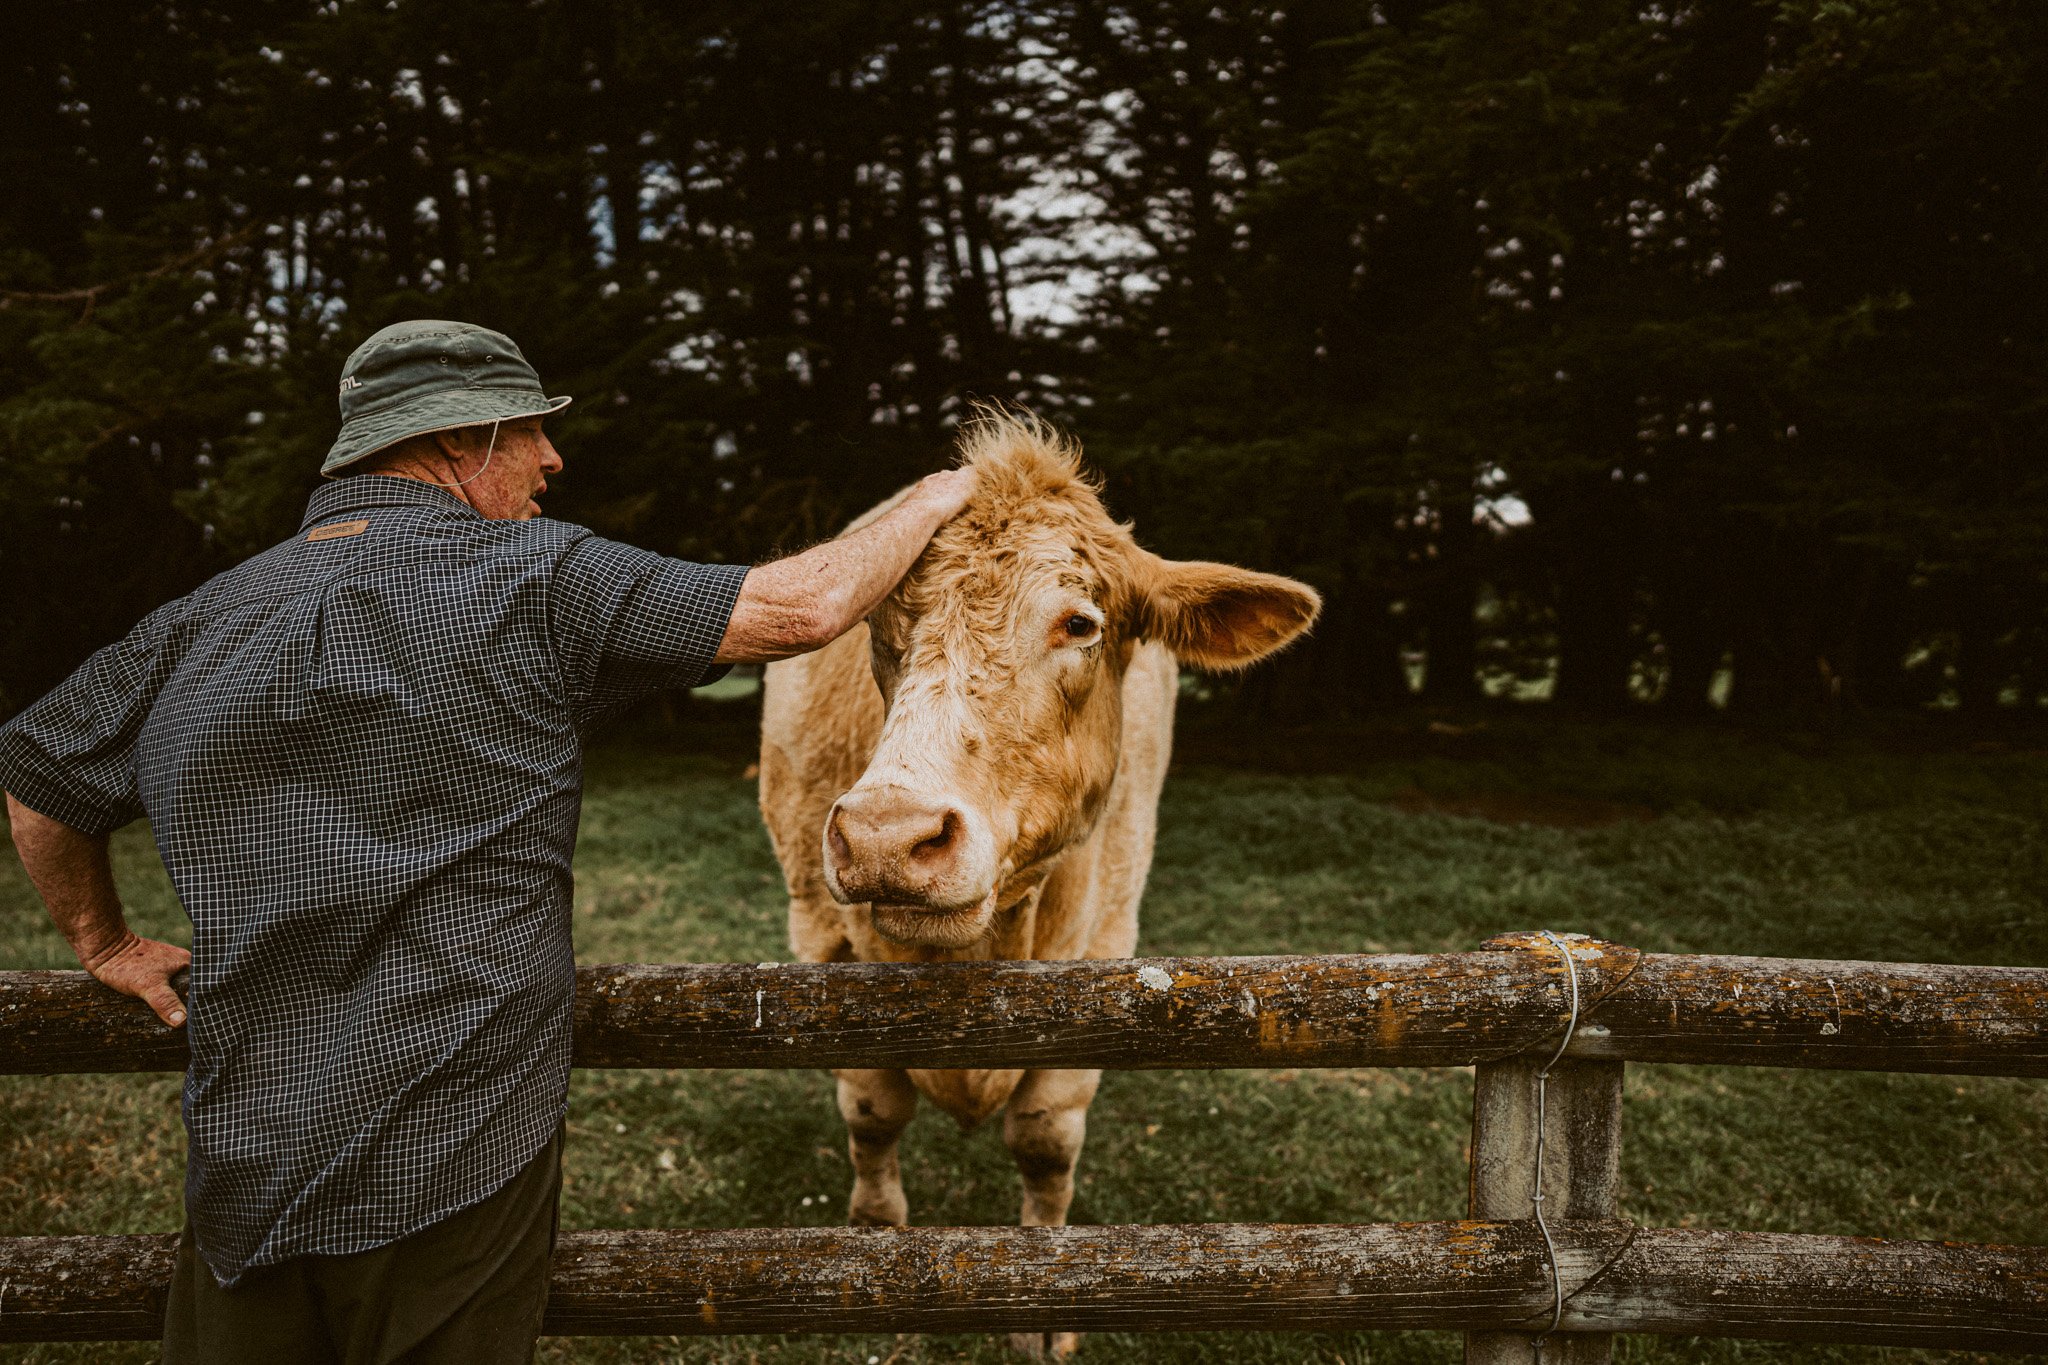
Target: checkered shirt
point(360, 753)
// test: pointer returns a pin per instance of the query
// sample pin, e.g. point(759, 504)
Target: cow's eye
point(1081, 627)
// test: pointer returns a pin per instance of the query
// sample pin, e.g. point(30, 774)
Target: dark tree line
point(1642, 353)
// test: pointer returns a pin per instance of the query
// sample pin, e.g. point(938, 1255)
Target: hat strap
point(487, 460)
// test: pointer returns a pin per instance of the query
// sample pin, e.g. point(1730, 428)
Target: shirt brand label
point(335, 530)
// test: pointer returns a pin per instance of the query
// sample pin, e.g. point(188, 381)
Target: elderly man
point(360, 753)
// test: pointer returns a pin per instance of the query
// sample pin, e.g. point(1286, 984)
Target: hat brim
point(367, 433)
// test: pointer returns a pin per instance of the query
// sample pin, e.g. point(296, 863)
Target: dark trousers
point(467, 1290)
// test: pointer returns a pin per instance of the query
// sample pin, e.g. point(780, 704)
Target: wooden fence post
point(1581, 1166)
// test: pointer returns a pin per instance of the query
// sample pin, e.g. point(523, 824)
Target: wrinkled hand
point(948, 490)
point(143, 967)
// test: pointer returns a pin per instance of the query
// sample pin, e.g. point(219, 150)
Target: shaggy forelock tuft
point(1019, 457)
point(1031, 497)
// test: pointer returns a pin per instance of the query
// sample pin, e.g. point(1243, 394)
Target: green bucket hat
point(416, 377)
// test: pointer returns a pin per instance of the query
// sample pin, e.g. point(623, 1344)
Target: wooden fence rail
point(1448, 1009)
point(1501, 1010)
point(1461, 1275)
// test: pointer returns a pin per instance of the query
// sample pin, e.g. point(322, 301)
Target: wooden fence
point(1496, 1275)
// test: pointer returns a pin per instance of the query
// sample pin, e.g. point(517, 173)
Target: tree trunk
point(1981, 663)
point(1874, 659)
point(1449, 599)
point(1594, 647)
point(1693, 633)
point(1776, 667)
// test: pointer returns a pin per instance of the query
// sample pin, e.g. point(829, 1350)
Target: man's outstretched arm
point(71, 870)
point(808, 600)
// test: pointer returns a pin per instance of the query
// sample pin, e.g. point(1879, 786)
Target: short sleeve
point(628, 623)
point(71, 755)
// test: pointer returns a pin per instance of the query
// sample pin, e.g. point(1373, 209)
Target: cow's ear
point(1218, 616)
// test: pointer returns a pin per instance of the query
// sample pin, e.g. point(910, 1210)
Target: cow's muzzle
point(892, 845)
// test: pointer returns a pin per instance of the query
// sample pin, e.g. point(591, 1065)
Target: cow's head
point(1001, 659)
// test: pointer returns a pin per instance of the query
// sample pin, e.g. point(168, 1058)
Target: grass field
point(1397, 838)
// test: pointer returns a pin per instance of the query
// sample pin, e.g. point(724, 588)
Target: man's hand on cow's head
point(948, 491)
point(143, 968)
point(805, 602)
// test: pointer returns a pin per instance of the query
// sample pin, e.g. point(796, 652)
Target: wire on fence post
point(1571, 976)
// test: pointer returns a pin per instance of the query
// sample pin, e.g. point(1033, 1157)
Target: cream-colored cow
point(975, 774)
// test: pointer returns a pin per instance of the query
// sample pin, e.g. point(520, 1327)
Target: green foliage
point(1739, 299)
point(1735, 297)
point(756, 245)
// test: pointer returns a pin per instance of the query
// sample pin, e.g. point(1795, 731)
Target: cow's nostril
point(841, 854)
point(949, 826)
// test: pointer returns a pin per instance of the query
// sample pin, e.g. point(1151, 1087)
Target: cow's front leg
point(1044, 1127)
point(877, 1107)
